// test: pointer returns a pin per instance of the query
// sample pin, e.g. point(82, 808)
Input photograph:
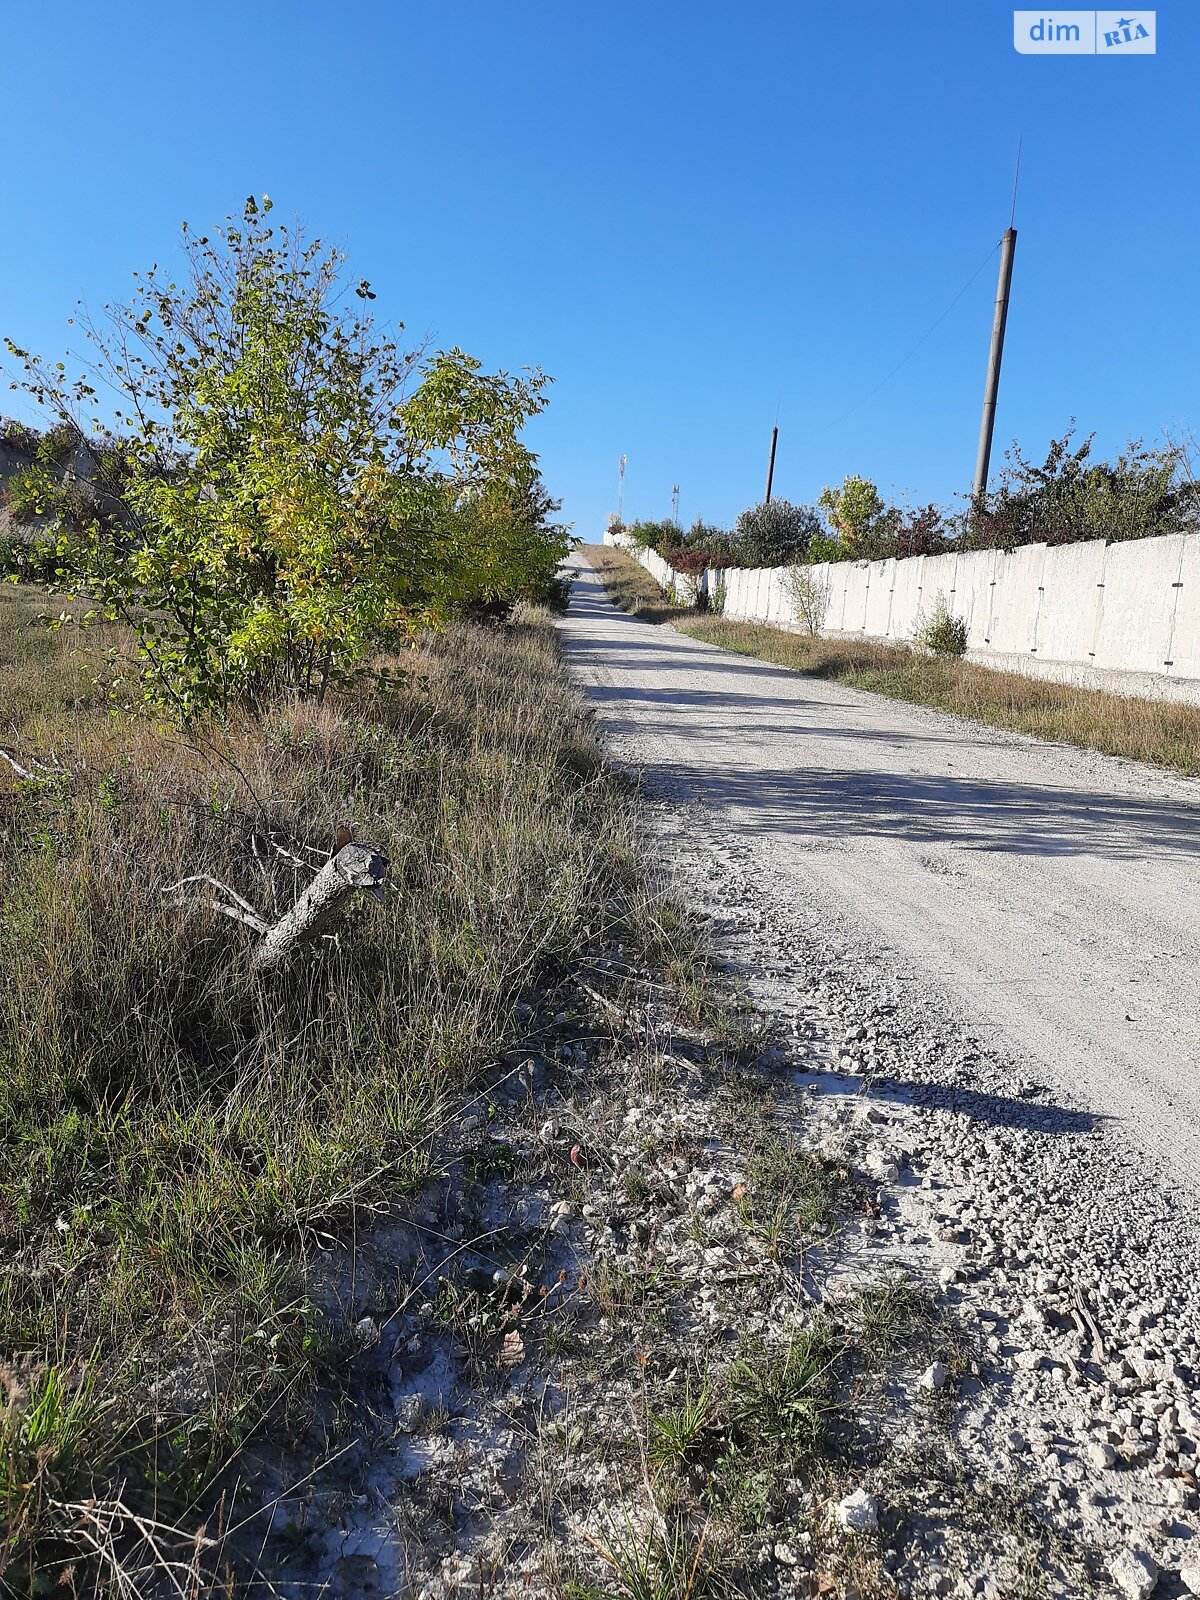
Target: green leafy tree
point(1070, 497)
point(293, 488)
point(774, 534)
point(854, 509)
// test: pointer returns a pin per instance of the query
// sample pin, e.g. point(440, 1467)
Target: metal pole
point(771, 463)
point(1008, 246)
point(621, 491)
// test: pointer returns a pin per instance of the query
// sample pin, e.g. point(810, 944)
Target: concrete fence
point(1123, 617)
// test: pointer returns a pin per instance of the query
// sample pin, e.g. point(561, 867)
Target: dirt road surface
point(1051, 895)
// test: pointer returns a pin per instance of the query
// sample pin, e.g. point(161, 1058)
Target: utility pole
point(1008, 247)
point(675, 504)
point(771, 462)
point(621, 490)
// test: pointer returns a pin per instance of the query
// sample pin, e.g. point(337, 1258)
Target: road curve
point(1052, 895)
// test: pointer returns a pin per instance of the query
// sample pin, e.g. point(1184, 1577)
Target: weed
point(782, 1398)
point(658, 1561)
point(678, 1434)
point(941, 631)
point(890, 1316)
point(790, 1192)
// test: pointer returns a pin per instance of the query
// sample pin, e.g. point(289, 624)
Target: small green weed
point(678, 1434)
point(783, 1398)
point(790, 1193)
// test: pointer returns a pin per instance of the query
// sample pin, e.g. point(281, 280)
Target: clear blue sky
point(683, 212)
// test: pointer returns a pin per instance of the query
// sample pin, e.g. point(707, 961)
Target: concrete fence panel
point(1015, 599)
point(1139, 604)
point(906, 597)
point(973, 593)
point(937, 578)
point(780, 610)
point(879, 598)
point(1185, 625)
point(1072, 593)
point(856, 597)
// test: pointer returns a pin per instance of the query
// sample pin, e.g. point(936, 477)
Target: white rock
point(1189, 1576)
point(1102, 1456)
point(1135, 1574)
point(858, 1512)
point(933, 1377)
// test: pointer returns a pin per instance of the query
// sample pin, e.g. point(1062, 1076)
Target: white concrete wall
point(1120, 616)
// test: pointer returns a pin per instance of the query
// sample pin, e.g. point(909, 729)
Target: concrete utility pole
point(771, 463)
point(675, 504)
point(1008, 246)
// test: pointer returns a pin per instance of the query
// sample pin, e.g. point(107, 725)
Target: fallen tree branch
point(240, 911)
point(356, 866)
point(45, 770)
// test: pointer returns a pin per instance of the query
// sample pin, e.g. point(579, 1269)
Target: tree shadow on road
point(1001, 1111)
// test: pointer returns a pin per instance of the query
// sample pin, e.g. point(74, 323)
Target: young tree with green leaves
point(293, 489)
point(855, 510)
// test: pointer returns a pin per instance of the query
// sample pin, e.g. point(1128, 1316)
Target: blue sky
point(687, 214)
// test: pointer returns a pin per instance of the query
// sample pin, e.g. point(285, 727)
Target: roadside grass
point(791, 1194)
point(178, 1141)
point(1162, 733)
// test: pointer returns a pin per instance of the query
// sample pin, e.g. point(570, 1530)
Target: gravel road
point(1051, 896)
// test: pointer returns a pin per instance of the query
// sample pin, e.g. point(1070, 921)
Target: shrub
point(692, 562)
point(825, 547)
point(660, 536)
point(942, 632)
point(709, 536)
point(774, 534)
point(924, 532)
point(809, 597)
point(1069, 497)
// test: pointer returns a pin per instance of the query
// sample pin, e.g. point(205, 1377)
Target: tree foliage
point(293, 488)
point(774, 534)
point(854, 509)
point(1070, 497)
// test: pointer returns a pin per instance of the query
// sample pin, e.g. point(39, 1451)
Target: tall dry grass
point(178, 1139)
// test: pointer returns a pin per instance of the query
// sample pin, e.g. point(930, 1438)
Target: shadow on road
point(766, 758)
point(999, 1111)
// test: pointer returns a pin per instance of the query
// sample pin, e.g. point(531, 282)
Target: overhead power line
point(904, 360)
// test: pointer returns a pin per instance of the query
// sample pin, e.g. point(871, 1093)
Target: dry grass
point(177, 1141)
point(1163, 733)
